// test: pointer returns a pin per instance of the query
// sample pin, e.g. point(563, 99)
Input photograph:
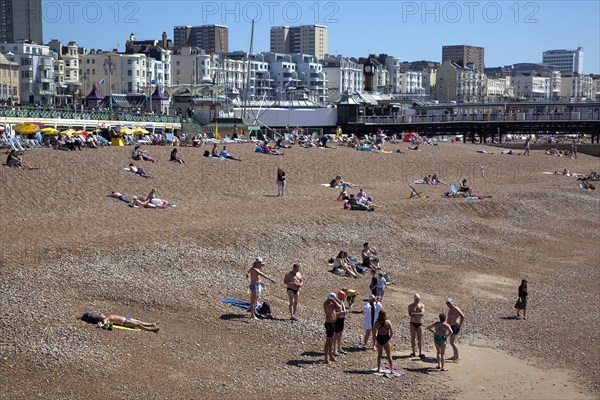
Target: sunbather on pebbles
point(152, 199)
point(107, 322)
point(139, 154)
point(137, 171)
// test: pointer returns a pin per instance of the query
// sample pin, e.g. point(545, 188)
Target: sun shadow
point(425, 370)
point(359, 372)
point(229, 317)
point(270, 195)
point(300, 363)
point(313, 354)
point(511, 317)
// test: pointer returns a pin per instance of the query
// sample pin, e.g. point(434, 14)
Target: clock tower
point(369, 71)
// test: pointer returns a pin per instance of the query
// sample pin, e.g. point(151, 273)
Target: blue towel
point(238, 303)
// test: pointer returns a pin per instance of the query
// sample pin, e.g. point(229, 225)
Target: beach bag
point(264, 310)
point(339, 271)
point(206, 153)
point(518, 304)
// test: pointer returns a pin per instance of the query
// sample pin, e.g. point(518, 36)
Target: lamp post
point(84, 97)
point(109, 67)
point(10, 89)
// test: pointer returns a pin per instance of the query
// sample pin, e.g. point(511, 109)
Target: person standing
point(527, 146)
point(441, 330)
point(332, 308)
point(339, 325)
point(255, 274)
point(384, 332)
point(416, 310)
point(522, 301)
point(293, 280)
point(280, 182)
point(371, 310)
point(455, 320)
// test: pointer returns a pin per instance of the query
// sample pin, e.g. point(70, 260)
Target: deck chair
point(413, 192)
point(169, 138)
point(453, 189)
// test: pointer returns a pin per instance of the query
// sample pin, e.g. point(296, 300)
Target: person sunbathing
point(343, 195)
point(435, 180)
point(14, 160)
point(139, 154)
point(464, 188)
point(152, 199)
point(137, 203)
point(225, 154)
point(175, 158)
point(413, 147)
point(120, 196)
point(342, 262)
point(107, 322)
point(138, 171)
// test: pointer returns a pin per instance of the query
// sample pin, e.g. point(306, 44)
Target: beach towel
point(126, 328)
point(237, 303)
point(389, 373)
point(386, 152)
point(477, 197)
point(420, 182)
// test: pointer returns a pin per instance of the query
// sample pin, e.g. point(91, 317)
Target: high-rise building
point(21, 20)
point(465, 56)
point(305, 39)
point(210, 38)
point(567, 61)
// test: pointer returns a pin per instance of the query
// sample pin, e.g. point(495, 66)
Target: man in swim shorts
point(455, 319)
point(293, 280)
point(332, 309)
point(416, 310)
point(255, 274)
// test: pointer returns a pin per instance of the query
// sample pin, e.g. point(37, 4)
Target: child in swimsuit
point(441, 331)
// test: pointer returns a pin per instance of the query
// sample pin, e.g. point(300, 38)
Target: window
point(129, 73)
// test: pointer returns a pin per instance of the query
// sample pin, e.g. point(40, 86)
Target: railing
point(89, 115)
point(517, 117)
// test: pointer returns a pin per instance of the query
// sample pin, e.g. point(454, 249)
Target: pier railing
point(517, 117)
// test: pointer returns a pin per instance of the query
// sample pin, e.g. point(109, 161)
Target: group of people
point(224, 153)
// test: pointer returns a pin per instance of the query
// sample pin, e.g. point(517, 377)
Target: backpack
point(206, 153)
point(264, 309)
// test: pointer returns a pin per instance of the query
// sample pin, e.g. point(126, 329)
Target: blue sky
point(510, 31)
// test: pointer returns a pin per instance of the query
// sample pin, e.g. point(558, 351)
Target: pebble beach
point(68, 248)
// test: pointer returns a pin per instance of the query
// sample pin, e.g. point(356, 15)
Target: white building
point(529, 87)
point(36, 71)
point(578, 87)
point(344, 75)
point(567, 61)
point(457, 83)
point(498, 89)
point(191, 68)
point(411, 84)
point(130, 72)
point(311, 76)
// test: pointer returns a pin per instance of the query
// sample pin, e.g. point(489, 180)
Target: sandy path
point(492, 374)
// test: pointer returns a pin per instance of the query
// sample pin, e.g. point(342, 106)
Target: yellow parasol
point(125, 131)
point(49, 131)
point(68, 132)
point(140, 131)
point(26, 128)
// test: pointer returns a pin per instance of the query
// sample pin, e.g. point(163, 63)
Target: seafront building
point(457, 83)
point(472, 57)
point(21, 20)
point(566, 61)
point(211, 38)
point(9, 79)
point(305, 39)
point(344, 75)
point(577, 87)
point(36, 70)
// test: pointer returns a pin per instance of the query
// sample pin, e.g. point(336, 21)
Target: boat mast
point(248, 72)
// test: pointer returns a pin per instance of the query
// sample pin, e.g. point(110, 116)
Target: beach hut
point(159, 100)
point(94, 97)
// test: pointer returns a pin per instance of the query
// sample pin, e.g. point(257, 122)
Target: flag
point(153, 81)
point(101, 82)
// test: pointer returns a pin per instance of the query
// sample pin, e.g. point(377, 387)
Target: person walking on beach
point(332, 308)
point(416, 310)
point(293, 280)
point(384, 332)
point(527, 147)
point(339, 325)
point(455, 320)
point(522, 301)
point(441, 330)
point(280, 182)
point(255, 274)
point(371, 310)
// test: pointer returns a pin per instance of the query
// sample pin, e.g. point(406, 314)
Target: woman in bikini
point(441, 331)
point(106, 322)
point(384, 331)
